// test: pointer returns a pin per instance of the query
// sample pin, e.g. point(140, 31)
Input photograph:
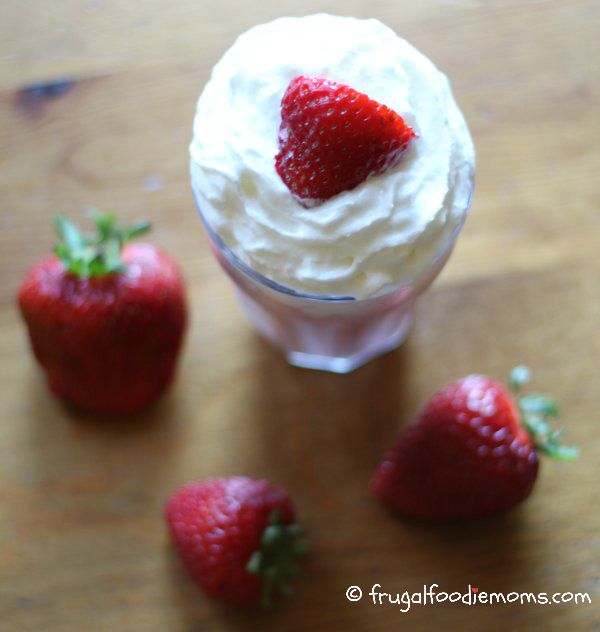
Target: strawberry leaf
point(138, 229)
point(559, 452)
point(537, 412)
point(95, 255)
point(69, 233)
point(519, 376)
point(274, 561)
point(534, 403)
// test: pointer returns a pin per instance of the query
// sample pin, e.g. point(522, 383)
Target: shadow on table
point(318, 430)
point(93, 467)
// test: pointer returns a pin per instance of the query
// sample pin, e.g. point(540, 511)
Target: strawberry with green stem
point(237, 537)
point(472, 451)
point(105, 317)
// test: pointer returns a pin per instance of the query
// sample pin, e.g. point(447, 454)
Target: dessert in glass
point(333, 171)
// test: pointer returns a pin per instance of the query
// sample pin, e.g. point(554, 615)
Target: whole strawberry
point(472, 451)
point(105, 318)
point(237, 537)
point(332, 138)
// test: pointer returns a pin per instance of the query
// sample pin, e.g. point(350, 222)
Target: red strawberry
point(236, 537)
point(467, 454)
point(332, 138)
point(105, 321)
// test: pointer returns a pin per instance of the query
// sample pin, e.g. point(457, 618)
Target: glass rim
point(261, 279)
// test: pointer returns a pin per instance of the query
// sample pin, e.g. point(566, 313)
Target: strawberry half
point(473, 451)
point(332, 138)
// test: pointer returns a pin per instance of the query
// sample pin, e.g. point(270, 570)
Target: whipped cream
point(384, 233)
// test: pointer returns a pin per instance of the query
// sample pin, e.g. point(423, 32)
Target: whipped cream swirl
point(364, 242)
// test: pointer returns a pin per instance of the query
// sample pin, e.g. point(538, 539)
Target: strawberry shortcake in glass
point(333, 171)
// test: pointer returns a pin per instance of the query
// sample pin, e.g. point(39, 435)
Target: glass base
point(338, 343)
point(348, 364)
point(336, 334)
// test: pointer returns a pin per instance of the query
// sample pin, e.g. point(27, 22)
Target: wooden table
point(82, 541)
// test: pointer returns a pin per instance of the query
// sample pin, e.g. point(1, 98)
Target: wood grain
point(82, 542)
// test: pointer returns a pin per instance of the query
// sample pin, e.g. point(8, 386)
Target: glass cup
point(331, 333)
